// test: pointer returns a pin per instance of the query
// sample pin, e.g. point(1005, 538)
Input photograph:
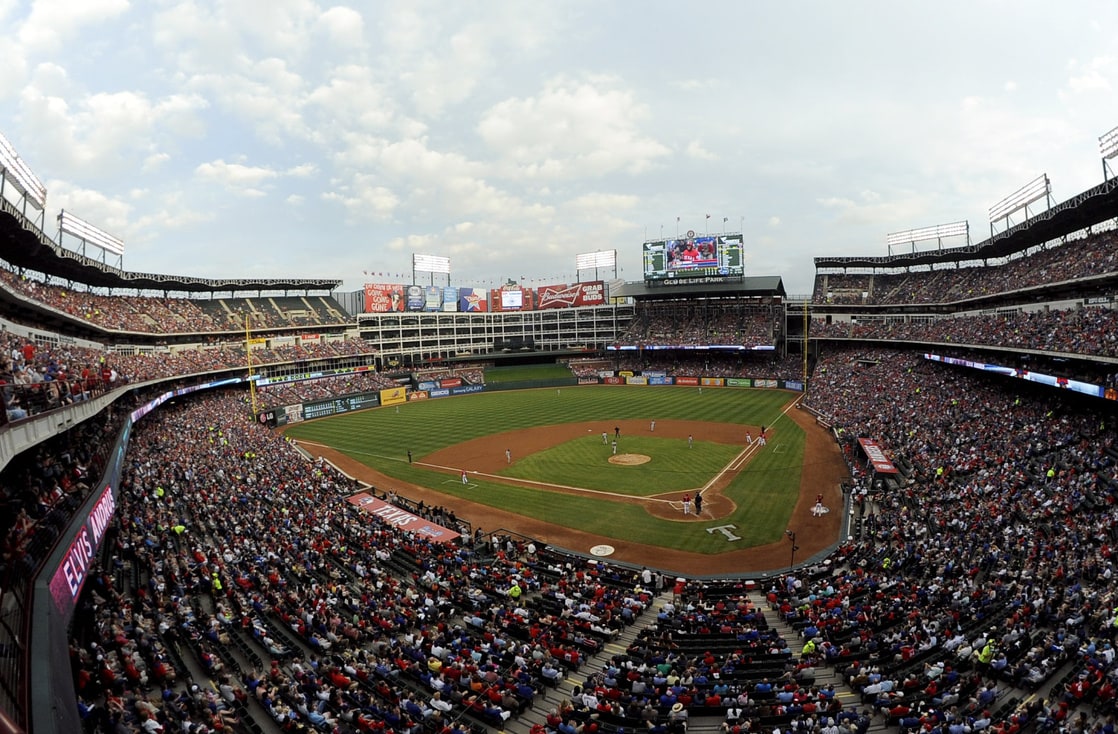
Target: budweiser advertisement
point(877, 457)
point(568, 296)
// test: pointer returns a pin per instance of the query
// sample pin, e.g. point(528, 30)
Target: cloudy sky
point(274, 138)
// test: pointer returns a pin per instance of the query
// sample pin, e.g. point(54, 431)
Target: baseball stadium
point(685, 502)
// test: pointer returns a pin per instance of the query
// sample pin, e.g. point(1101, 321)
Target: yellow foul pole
point(248, 357)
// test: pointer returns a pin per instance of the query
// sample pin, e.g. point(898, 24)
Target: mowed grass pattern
point(524, 373)
point(584, 462)
point(765, 493)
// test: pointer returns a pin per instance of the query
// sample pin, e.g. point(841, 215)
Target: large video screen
point(705, 256)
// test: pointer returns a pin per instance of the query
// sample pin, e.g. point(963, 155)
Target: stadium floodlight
point(89, 234)
point(1108, 148)
point(593, 260)
point(430, 263)
point(1108, 144)
point(19, 175)
point(1037, 189)
point(921, 234)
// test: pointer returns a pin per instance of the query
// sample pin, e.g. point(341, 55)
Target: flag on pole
point(708, 216)
point(725, 219)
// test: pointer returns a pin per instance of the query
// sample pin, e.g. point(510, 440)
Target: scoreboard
point(334, 406)
point(708, 256)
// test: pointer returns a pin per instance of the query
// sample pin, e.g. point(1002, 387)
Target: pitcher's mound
point(630, 459)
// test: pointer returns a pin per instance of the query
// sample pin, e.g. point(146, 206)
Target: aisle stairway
point(551, 697)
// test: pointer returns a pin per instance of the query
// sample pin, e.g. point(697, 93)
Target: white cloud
point(235, 177)
point(351, 104)
point(15, 67)
point(446, 80)
point(155, 161)
point(595, 205)
point(696, 150)
point(1095, 76)
point(364, 199)
point(110, 132)
point(107, 213)
point(343, 25)
point(571, 128)
point(902, 209)
point(266, 94)
point(52, 23)
point(512, 134)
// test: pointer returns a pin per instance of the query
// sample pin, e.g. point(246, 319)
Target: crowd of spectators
point(996, 544)
point(1088, 330)
point(987, 565)
point(473, 374)
point(696, 323)
point(37, 375)
point(706, 364)
point(1092, 256)
point(301, 391)
point(590, 367)
point(235, 550)
point(159, 315)
point(41, 489)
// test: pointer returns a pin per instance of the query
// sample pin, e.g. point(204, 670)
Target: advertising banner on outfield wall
point(659, 380)
point(393, 396)
point(418, 395)
point(473, 300)
point(450, 298)
point(415, 297)
point(433, 298)
point(765, 383)
point(712, 381)
point(383, 297)
point(439, 392)
point(611, 380)
point(401, 518)
point(511, 298)
point(568, 296)
point(428, 385)
point(450, 382)
point(636, 380)
point(687, 380)
point(588, 380)
point(466, 389)
point(738, 382)
point(794, 385)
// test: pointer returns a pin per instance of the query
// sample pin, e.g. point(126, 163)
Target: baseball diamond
point(566, 490)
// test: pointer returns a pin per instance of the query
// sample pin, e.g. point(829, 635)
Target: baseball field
point(608, 465)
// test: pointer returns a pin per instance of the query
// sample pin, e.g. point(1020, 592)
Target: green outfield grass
point(584, 462)
point(765, 492)
point(526, 373)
